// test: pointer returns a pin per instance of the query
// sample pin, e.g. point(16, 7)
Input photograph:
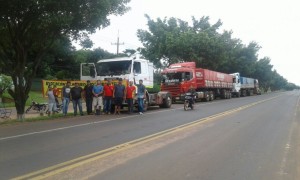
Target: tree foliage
point(173, 40)
point(5, 83)
point(29, 28)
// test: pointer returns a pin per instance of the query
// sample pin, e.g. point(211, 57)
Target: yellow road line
point(68, 165)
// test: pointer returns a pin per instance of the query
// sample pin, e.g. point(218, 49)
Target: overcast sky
point(273, 24)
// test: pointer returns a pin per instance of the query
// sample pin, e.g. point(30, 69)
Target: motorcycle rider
point(192, 92)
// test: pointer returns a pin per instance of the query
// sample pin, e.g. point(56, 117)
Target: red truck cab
point(178, 78)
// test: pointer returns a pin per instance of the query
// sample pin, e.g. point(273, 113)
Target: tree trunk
point(20, 95)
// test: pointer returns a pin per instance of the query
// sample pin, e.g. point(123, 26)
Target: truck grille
point(174, 90)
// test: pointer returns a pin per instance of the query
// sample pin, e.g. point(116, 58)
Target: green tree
point(263, 72)
point(174, 40)
point(28, 29)
point(129, 52)
point(58, 57)
point(5, 83)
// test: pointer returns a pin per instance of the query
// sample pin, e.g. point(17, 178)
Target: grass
point(33, 96)
point(34, 119)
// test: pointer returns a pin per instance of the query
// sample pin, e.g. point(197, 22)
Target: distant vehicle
point(180, 77)
point(128, 69)
point(243, 86)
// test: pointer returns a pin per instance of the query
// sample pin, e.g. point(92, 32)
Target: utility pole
point(117, 43)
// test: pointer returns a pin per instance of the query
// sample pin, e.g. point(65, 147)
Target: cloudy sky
point(273, 24)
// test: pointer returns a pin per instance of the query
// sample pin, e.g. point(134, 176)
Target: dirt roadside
point(33, 113)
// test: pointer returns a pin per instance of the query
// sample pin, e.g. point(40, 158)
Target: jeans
point(66, 102)
point(107, 104)
point(141, 104)
point(89, 105)
point(130, 105)
point(77, 102)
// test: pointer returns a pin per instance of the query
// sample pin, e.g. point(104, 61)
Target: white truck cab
point(236, 84)
point(124, 67)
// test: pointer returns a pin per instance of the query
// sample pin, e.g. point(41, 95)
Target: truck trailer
point(128, 69)
point(180, 77)
point(244, 86)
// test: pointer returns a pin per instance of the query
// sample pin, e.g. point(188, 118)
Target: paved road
point(258, 142)
point(261, 142)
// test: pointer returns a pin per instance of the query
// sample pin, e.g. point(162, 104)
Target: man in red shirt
point(55, 93)
point(108, 93)
point(130, 92)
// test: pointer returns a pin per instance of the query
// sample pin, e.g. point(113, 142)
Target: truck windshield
point(176, 77)
point(114, 68)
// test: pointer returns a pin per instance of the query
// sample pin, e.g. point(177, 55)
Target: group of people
point(98, 97)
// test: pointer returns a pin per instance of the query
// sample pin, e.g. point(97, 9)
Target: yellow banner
point(61, 83)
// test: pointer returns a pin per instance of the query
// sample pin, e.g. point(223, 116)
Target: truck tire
point(211, 97)
point(207, 97)
point(167, 102)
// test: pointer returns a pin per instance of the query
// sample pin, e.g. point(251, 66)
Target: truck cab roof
point(122, 59)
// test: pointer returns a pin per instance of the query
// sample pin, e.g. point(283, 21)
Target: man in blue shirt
point(97, 99)
point(119, 96)
point(141, 94)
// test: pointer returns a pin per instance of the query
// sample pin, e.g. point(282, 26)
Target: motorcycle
point(189, 100)
point(36, 106)
point(59, 107)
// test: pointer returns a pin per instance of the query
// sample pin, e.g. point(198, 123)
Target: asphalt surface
point(259, 142)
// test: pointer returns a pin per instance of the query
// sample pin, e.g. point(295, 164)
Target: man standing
point(97, 99)
point(76, 94)
point(88, 95)
point(51, 101)
point(108, 93)
point(65, 97)
point(130, 92)
point(55, 92)
point(141, 94)
point(119, 95)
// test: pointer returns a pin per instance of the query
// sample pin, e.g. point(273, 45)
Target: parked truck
point(128, 69)
point(244, 86)
point(180, 77)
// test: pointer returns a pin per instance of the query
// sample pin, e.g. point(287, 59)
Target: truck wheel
point(211, 98)
point(167, 102)
point(207, 97)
